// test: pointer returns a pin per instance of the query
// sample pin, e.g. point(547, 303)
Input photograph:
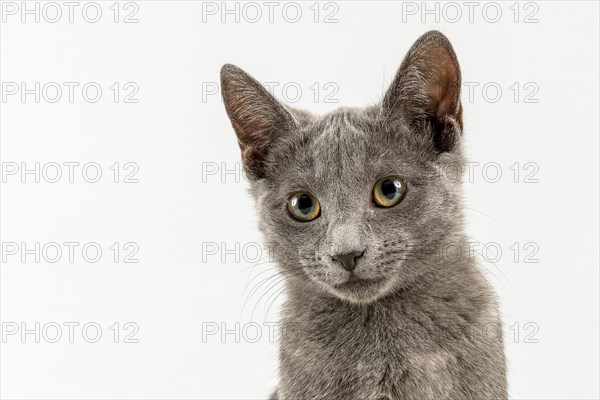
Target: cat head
point(355, 202)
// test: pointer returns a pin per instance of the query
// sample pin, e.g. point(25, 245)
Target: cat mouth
point(357, 284)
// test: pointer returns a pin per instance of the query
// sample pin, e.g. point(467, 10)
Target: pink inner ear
point(443, 90)
point(256, 116)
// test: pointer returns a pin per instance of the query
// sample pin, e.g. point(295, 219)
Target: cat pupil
point(304, 204)
point(388, 189)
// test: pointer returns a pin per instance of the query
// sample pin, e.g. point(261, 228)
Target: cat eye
point(389, 191)
point(303, 206)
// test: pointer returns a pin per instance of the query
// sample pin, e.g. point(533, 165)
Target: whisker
point(482, 213)
point(257, 287)
point(249, 281)
point(277, 294)
point(261, 261)
point(273, 285)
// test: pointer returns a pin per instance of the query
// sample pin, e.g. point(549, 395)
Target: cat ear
point(256, 116)
point(426, 91)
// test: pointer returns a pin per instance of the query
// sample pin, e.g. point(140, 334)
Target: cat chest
point(364, 363)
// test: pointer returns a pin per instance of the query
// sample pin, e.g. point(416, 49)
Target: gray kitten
point(383, 298)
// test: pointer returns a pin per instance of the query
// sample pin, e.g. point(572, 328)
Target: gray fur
point(428, 328)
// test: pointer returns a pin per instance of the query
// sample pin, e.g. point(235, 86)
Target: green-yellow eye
point(303, 206)
point(389, 191)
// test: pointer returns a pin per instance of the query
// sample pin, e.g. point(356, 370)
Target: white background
point(179, 290)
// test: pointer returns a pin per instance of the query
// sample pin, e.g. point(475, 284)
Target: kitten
point(363, 215)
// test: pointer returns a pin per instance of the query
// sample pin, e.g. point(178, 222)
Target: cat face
point(357, 203)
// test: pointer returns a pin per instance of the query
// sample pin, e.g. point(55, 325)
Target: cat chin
point(362, 292)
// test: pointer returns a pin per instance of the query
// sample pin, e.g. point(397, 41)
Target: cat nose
point(348, 261)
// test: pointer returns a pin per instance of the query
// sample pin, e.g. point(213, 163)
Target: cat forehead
point(343, 142)
point(342, 127)
point(337, 137)
point(346, 117)
point(363, 129)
